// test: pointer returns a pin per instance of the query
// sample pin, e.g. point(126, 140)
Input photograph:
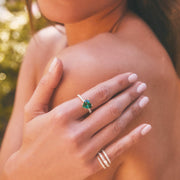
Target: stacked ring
point(103, 159)
point(86, 103)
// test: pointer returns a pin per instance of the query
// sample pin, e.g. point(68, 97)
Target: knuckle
point(114, 109)
point(44, 81)
point(58, 117)
point(81, 134)
point(119, 150)
point(119, 125)
point(75, 138)
point(31, 111)
point(70, 139)
point(103, 93)
point(133, 139)
point(116, 128)
point(74, 143)
point(134, 111)
point(27, 108)
point(122, 83)
point(132, 95)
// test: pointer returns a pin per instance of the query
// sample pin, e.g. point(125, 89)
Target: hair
point(163, 17)
point(29, 8)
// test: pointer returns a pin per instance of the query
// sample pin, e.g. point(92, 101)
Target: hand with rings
point(74, 140)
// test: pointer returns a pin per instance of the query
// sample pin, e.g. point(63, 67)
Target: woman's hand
point(63, 143)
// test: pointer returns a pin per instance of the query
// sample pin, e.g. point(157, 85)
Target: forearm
point(13, 138)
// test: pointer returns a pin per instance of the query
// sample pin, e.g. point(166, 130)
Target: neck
point(104, 21)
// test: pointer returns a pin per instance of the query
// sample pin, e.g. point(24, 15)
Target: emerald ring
point(86, 103)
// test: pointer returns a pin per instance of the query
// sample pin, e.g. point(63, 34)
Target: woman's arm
point(39, 51)
point(25, 87)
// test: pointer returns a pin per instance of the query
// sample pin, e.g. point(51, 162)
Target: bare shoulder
point(100, 58)
point(136, 49)
point(139, 52)
point(45, 44)
point(47, 39)
point(131, 50)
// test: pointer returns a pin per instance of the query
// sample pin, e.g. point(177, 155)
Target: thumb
point(38, 104)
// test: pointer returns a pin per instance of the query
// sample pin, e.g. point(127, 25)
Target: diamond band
point(106, 156)
point(101, 163)
point(103, 159)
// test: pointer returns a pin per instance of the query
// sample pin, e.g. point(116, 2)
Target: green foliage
point(14, 36)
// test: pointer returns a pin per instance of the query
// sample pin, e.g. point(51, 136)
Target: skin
point(132, 47)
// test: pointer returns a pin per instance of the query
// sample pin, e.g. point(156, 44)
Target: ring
point(103, 159)
point(86, 104)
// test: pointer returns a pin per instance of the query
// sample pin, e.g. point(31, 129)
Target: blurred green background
point(14, 37)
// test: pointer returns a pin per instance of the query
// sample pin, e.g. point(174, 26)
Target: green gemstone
point(87, 104)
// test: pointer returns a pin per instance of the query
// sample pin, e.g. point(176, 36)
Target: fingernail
point(143, 102)
point(146, 129)
point(142, 87)
point(132, 78)
point(53, 65)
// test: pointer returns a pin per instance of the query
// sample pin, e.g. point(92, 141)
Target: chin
point(66, 19)
point(65, 15)
point(71, 11)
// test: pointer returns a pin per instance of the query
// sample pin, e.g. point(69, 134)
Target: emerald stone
point(87, 104)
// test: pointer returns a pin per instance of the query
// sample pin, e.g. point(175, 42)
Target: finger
point(116, 149)
point(113, 130)
point(41, 96)
point(101, 93)
point(112, 109)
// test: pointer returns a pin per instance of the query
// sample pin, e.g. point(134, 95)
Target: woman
point(97, 34)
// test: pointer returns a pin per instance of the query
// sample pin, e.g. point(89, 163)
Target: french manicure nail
point(132, 78)
point(146, 129)
point(53, 65)
point(142, 87)
point(143, 102)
